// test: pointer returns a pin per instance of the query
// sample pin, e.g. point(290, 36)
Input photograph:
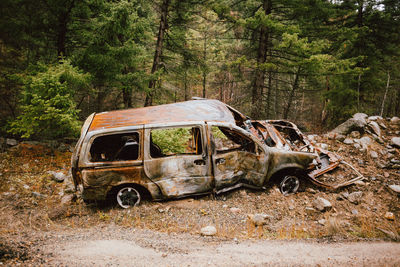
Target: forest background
point(314, 62)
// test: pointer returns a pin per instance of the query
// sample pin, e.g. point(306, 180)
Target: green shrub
point(47, 108)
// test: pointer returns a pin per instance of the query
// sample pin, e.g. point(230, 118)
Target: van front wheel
point(128, 197)
point(289, 185)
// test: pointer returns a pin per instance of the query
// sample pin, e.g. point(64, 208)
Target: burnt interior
point(232, 141)
point(115, 147)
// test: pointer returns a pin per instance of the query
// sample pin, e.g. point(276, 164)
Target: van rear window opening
point(115, 147)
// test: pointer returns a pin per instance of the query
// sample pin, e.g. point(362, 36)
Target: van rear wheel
point(128, 197)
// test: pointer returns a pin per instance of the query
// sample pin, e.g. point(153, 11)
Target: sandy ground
point(116, 246)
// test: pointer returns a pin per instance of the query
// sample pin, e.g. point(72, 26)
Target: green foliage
point(48, 108)
point(172, 140)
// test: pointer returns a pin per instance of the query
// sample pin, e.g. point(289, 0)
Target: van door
point(176, 160)
point(237, 158)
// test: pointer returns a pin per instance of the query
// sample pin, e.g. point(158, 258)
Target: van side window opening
point(115, 147)
point(227, 140)
point(175, 141)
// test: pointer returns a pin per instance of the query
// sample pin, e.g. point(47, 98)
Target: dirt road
point(116, 246)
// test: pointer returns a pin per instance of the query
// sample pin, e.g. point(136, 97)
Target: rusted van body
point(175, 150)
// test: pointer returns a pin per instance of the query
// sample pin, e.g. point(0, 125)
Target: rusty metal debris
point(189, 148)
point(286, 135)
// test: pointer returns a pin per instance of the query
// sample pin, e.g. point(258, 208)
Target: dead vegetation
point(30, 202)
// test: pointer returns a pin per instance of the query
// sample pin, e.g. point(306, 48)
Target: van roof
point(194, 110)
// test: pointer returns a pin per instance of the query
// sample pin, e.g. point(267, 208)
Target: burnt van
point(176, 150)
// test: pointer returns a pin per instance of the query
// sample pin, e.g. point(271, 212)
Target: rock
point(311, 190)
point(360, 162)
point(360, 116)
point(310, 211)
point(355, 134)
point(259, 219)
point(59, 177)
point(322, 204)
point(354, 212)
point(395, 120)
point(208, 230)
point(373, 125)
point(38, 195)
point(235, 210)
point(386, 174)
point(373, 154)
point(357, 146)
point(383, 126)
point(11, 142)
point(340, 137)
point(350, 125)
point(374, 118)
point(322, 145)
point(322, 221)
point(355, 197)
point(395, 188)
point(68, 199)
point(348, 141)
point(365, 142)
point(395, 142)
point(389, 215)
point(342, 196)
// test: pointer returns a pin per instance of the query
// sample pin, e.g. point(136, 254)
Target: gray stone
point(383, 126)
point(322, 221)
point(355, 134)
point(373, 154)
point(11, 142)
point(208, 230)
point(322, 145)
point(374, 118)
point(395, 188)
point(355, 197)
point(38, 195)
point(59, 177)
point(373, 125)
point(351, 124)
point(348, 141)
point(259, 218)
point(357, 146)
point(395, 142)
point(395, 120)
point(322, 204)
point(340, 137)
point(310, 211)
point(360, 116)
point(68, 199)
point(365, 141)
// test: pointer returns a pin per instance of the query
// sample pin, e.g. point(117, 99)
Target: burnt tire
point(128, 196)
point(289, 184)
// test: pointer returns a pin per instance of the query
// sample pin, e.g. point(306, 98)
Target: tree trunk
point(384, 96)
point(127, 97)
point(63, 20)
point(259, 75)
point(294, 88)
point(204, 70)
point(157, 54)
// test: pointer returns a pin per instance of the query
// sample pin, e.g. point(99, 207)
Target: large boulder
point(322, 204)
point(357, 123)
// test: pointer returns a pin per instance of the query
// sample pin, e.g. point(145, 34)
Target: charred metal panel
point(196, 110)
